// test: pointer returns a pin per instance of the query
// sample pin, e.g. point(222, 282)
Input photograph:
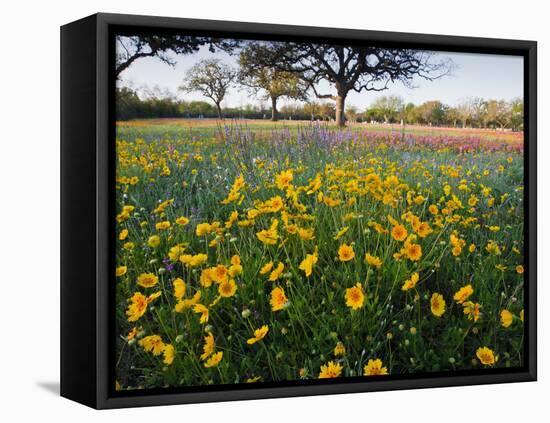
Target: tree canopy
point(211, 78)
point(132, 48)
point(291, 70)
point(273, 82)
point(351, 68)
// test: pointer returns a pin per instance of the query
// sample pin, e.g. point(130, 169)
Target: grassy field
point(253, 252)
point(169, 124)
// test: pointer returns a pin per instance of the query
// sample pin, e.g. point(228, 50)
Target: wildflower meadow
point(254, 252)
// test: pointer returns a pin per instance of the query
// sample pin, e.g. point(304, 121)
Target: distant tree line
point(472, 112)
point(130, 106)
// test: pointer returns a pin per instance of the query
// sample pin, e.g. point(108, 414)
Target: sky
point(475, 75)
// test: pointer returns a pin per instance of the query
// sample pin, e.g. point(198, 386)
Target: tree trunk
point(219, 109)
point(340, 116)
point(274, 109)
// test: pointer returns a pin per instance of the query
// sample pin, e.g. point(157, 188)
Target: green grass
point(394, 326)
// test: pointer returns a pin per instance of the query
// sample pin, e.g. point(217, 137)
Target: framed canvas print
point(254, 211)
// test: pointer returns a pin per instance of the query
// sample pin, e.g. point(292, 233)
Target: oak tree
point(210, 77)
point(354, 68)
point(130, 48)
point(274, 83)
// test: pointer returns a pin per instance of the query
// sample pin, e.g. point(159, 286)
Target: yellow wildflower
point(283, 179)
point(182, 221)
point(203, 229)
point(258, 335)
point(147, 280)
point(278, 299)
point(472, 310)
point(153, 241)
point(193, 260)
point(214, 359)
point(138, 305)
point(169, 353)
point(187, 303)
point(277, 272)
point(355, 297)
point(340, 233)
point(519, 269)
point(486, 356)
point(175, 252)
point(306, 234)
point(208, 347)
point(330, 370)
point(162, 225)
point(399, 233)
point(179, 288)
point(413, 251)
point(152, 343)
point(463, 294)
point(373, 261)
point(269, 236)
point(266, 268)
point(506, 318)
point(339, 349)
point(227, 288)
point(307, 264)
point(437, 304)
point(345, 252)
point(411, 282)
point(203, 311)
point(374, 368)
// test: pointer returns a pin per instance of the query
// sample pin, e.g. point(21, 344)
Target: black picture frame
point(87, 215)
